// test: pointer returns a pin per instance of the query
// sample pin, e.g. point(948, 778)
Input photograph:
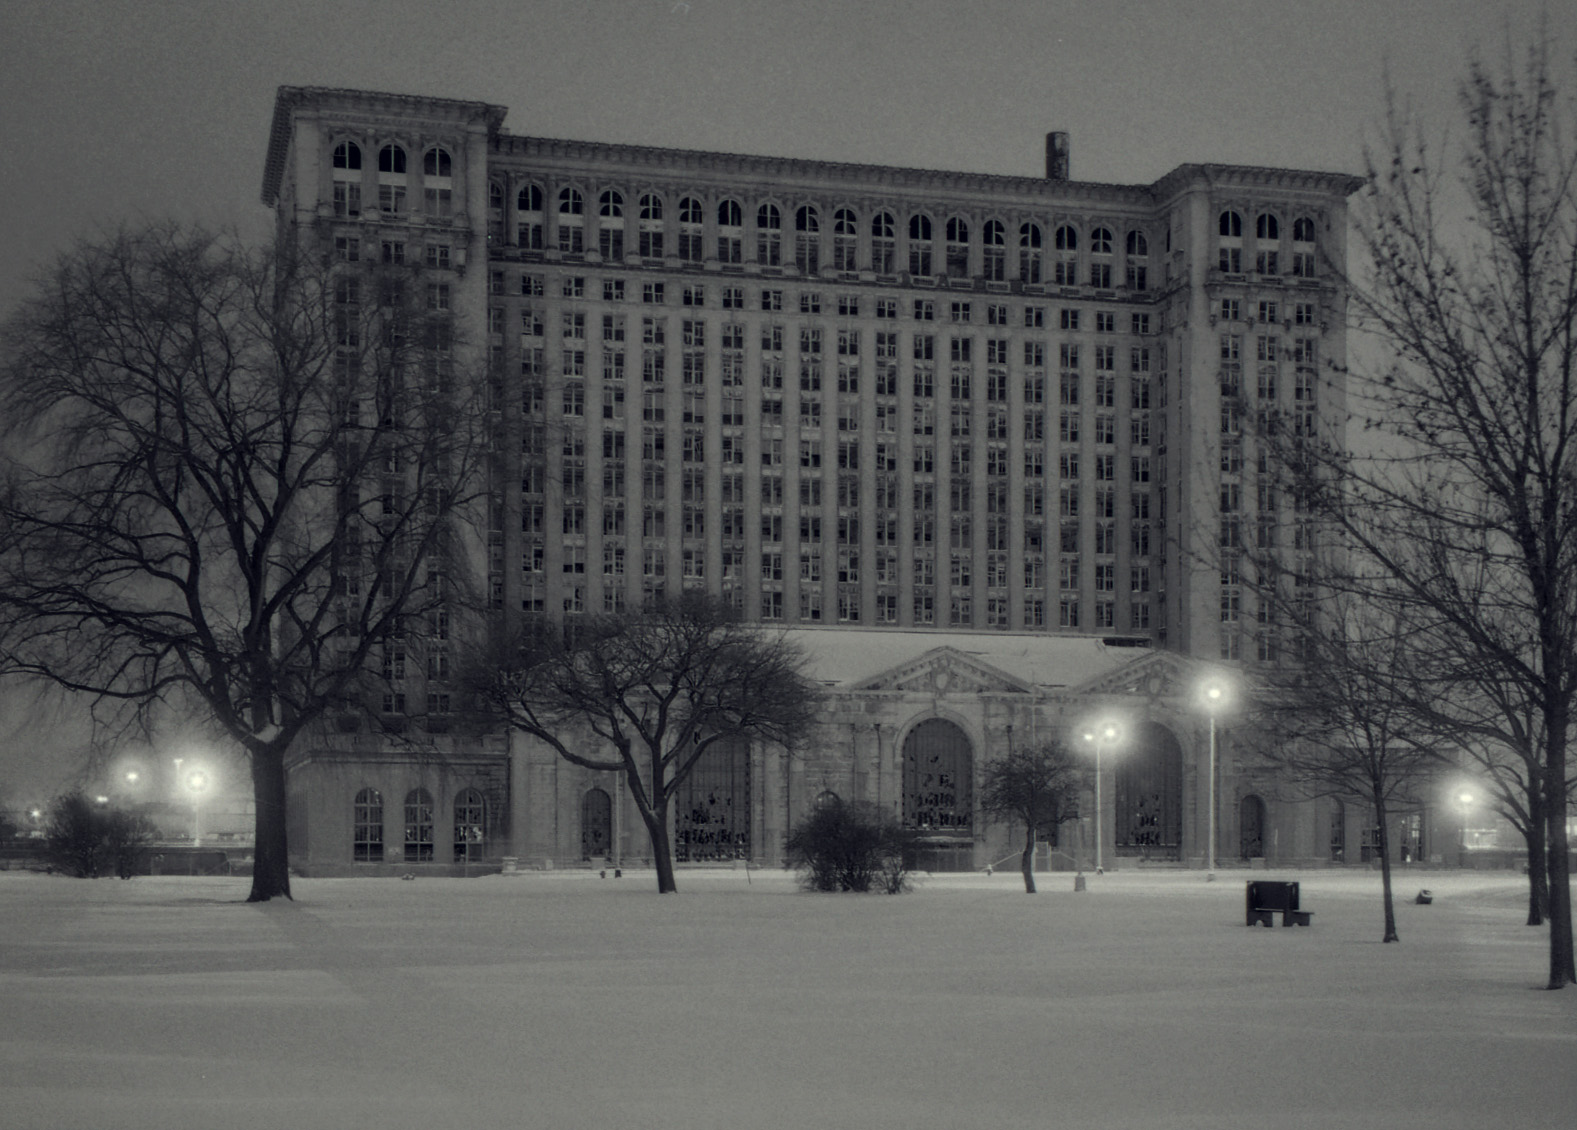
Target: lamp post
point(197, 781)
point(1213, 694)
point(1100, 736)
point(1464, 799)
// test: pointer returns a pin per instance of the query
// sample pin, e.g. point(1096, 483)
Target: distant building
point(978, 440)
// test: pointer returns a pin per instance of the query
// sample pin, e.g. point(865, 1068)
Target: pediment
point(943, 671)
point(1156, 675)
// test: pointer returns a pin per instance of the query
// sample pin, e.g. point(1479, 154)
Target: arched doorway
point(1251, 828)
point(712, 813)
point(596, 825)
point(1148, 804)
point(938, 795)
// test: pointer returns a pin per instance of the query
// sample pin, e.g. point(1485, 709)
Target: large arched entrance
point(712, 809)
point(1149, 796)
point(938, 796)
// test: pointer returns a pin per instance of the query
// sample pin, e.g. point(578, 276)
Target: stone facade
point(861, 403)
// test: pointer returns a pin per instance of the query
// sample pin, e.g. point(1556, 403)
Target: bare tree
point(1038, 786)
point(239, 479)
point(1462, 500)
point(1342, 723)
point(658, 689)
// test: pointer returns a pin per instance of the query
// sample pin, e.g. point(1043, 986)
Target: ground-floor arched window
point(1251, 828)
point(596, 825)
point(1338, 836)
point(712, 813)
point(418, 826)
point(367, 829)
point(470, 826)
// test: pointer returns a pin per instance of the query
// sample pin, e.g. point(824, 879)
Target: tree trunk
point(1563, 969)
point(271, 858)
point(1381, 818)
point(1538, 868)
point(1027, 864)
point(656, 820)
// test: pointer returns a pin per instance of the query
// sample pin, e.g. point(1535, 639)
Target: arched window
point(1101, 241)
point(845, 238)
point(1267, 233)
point(437, 184)
point(436, 162)
point(883, 244)
point(993, 251)
point(1029, 249)
point(691, 217)
point(1303, 248)
point(1138, 250)
point(1230, 228)
point(807, 239)
point(418, 826)
point(1066, 241)
point(1251, 828)
point(470, 826)
point(610, 225)
point(347, 179)
point(391, 180)
point(827, 799)
point(528, 209)
point(712, 807)
point(1338, 831)
point(769, 236)
point(572, 211)
point(367, 827)
point(730, 232)
point(920, 245)
point(596, 825)
point(495, 212)
point(651, 226)
point(1101, 272)
point(957, 247)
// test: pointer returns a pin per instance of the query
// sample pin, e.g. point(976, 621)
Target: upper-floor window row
point(1268, 257)
point(887, 240)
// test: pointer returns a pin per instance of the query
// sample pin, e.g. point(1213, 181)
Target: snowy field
point(563, 1000)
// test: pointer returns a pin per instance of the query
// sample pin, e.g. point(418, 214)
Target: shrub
point(88, 841)
point(848, 847)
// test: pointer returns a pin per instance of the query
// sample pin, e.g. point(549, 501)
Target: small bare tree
point(1037, 786)
point(658, 689)
point(239, 477)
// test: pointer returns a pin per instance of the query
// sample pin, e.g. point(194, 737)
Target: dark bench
point(1266, 898)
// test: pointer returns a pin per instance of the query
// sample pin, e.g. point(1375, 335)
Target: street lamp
point(1214, 694)
point(1101, 736)
point(197, 781)
point(1464, 799)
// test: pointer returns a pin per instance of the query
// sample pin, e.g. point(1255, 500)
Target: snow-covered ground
point(565, 1000)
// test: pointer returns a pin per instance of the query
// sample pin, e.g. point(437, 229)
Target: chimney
point(1057, 156)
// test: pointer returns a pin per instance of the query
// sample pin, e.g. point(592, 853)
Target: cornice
point(1254, 177)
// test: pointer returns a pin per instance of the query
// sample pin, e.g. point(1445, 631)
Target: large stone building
point(979, 441)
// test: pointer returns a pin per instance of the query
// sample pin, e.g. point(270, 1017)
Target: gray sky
point(116, 110)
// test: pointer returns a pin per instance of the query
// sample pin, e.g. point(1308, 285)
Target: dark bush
point(848, 847)
point(87, 840)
